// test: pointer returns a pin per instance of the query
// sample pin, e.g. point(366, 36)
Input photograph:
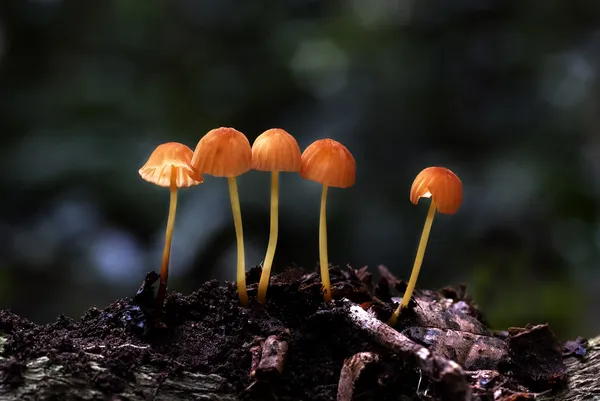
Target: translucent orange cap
point(441, 184)
point(223, 152)
point(328, 162)
point(275, 150)
point(167, 159)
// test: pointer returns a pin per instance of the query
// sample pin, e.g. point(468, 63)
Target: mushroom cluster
point(226, 152)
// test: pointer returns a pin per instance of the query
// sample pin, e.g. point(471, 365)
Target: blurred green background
point(504, 93)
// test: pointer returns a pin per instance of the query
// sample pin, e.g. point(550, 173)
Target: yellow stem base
point(239, 233)
point(266, 270)
point(417, 265)
point(164, 269)
point(323, 259)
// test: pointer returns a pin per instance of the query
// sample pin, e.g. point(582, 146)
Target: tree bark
point(44, 381)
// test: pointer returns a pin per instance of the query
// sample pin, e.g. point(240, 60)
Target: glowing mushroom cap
point(166, 158)
point(441, 184)
point(276, 150)
point(223, 152)
point(328, 162)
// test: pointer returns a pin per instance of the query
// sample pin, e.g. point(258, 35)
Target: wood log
point(42, 380)
point(583, 379)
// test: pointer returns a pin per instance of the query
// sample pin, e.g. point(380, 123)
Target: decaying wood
point(273, 356)
point(41, 380)
point(268, 359)
point(350, 373)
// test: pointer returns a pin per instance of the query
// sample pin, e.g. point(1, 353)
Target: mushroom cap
point(223, 152)
point(440, 183)
point(166, 158)
point(276, 150)
point(328, 162)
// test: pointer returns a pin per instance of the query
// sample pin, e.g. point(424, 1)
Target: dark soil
point(208, 332)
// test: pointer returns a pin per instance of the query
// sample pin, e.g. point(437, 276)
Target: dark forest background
point(504, 93)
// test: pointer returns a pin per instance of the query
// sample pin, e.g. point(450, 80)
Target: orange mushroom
point(170, 166)
point(274, 150)
point(329, 163)
point(226, 152)
point(445, 190)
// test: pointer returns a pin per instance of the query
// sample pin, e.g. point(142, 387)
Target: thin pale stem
point(164, 269)
point(323, 246)
point(239, 233)
point(266, 270)
point(417, 266)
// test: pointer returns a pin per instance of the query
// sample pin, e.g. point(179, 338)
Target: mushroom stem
point(266, 270)
point(323, 246)
point(417, 266)
point(164, 269)
point(239, 232)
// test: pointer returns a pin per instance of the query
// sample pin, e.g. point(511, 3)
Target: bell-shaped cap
point(223, 152)
point(276, 150)
point(170, 165)
point(440, 184)
point(328, 162)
